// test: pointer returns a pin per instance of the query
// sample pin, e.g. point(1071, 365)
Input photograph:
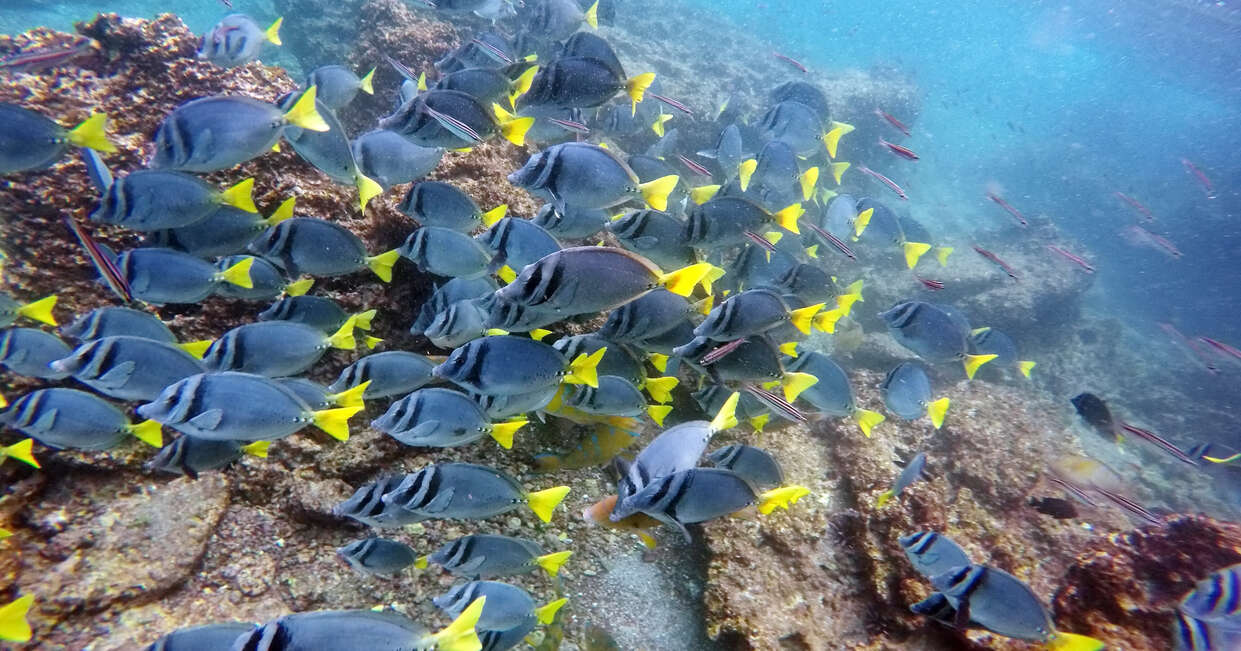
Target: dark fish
point(274, 348)
point(452, 119)
point(469, 492)
point(320, 248)
point(508, 616)
point(443, 205)
point(571, 222)
point(1054, 506)
point(1095, 412)
point(378, 556)
point(515, 243)
point(442, 418)
point(190, 455)
point(128, 368)
point(446, 252)
point(933, 332)
point(489, 556)
point(933, 554)
point(655, 235)
point(650, 315)
point(392, 160)
point(756, 466)
point(390, 373)
point(148, 200)
point(202, 638)
point(68, 418)
point(588, 176)
point(832, 395)
point(457, 289)
point(752, 312)
point(29, 141)
point(329, 150)
point(803, 93)
point(689, 496)
point(504, 365)
point(910, 474)
point(315, 311)
point(346, 630)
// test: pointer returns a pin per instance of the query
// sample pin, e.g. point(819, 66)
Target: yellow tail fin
point(422, 81)
point(367, 84)
point(239, 274)
point(522, 84)
point(942, 254)
point(335, 421)
point(789, 348)
point(460, 634)
point(240, 196)
point(272, 33)
point(974, 362)
point(808, 180)
point(703, 193)
point(1025, 366)
point(196, 348)
point(661, 388)
point(781, 497)
point(22, 451)
point(745, 171)
point(831, 139)
point(552, 562)
point(936, 410)
point(826, 321)
point(787, 217)
point(13, 625)
point(838, 173)
point(658, 125)
point(367, 189)
point(658, 413)
point(539, 334)
point(659, 361)
point(40, 310)
point(636, 87)
point(547, 614)
point(515, 130)
point(682, 281)
point(350, 397)
point(1073, 642)
point(343, 338)
point(584, 369)
point(381, 265)
point(884, 497)
point(914, 251)
point(592, 18)
point(795, 383)
point(656, 192)
point(855, 289)
point(91, 133)
point(421, 562)
point(506, 274)
point(362, 320)
point(727, 415)
point(759, 422)
point(283, 212)
point(826, 195)
point(544, 502)
point(149, 432)
point(371, 342)
point(802, 318)
point(503, 432)
point(494, 215)
point(257, 449)
point(867, 419)
point(862, 221)
point(713, 275)
point(299, 287)
point(304, 114)
point(813, 251)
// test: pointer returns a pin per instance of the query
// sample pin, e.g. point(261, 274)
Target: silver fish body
point(571, 222)
point(583, 280)
point(906, 390)
point(390, 160)
point(317, 247)
point(234, 41)
point(67, 418)
point(578, 174)
point(30, 352)
point(229, 406)
point(215, 133)
point(337, 85)
point(148, 200)
point(378, 556)
point(446, 252)
point(390, 373)
point(270, 348)
point(128, 368)
point(927, 330)
point(933, 554)
point(693, 495)
point(754, 465)
point(487, 556)
point(503, 365)
point(463, 321)
point(434, 417)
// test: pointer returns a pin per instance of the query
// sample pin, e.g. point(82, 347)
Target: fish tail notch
point(335, 421)
point(1025, 366)
point(149, 432)
point(547, 614)
point(831, 139)
point(682, 281)
point(40, 310)
point(884, 498)
point(240, 196)
point(726, 417)
point(803, 318)
point(551, 563)
point(974, 362)
point(866, 420)
point(367, 83)
point(343, 338)
point(745, 171)
point(299, 287)
point(1073, 642)
point(838, 172)
point(788, 216)
point(22, 450)
point(658, 413)
point(272, 33)
point(936, 410)
point(381, 265)
point(808, 180)
point(942, 253)
point(515, 130)
point(914, 252)
point(239, 274)
point(283, 211)
point(350, 397)
point(13, 624)
point(363, 320)
point(460, 634)
point(635, 88)
point(503, 432)
point(794, 383)
point(257, 449)
point(196, 348)
point(585, 368)
point(544, 502)
point(655, 193)
point(861, 222)
point(92, 134)
point(303, 114)
point(703, 193)
point(826, 321)
point(592, 18)
point(367, 189)
point(660, 388)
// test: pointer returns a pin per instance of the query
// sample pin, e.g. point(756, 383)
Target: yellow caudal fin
point(773, 236)
point(714, 274)
point(826, 195)
point(845, 302)
point(275, 146)
point(802, 318)
point(974, 362)
point(350, 397)
point(13, 624)
point(552, 562)
point(914, 251)
point(826, 321)
point(547, 614)
point(862, 221)
point(491, 332)
point(506, 274)
point(196, 348)
point(335, 421)
point(831, 139)
point(149, 432)
point(343, 337)
point(544, 502)
point(371, 342)
point(522, 84)
point(789, 348)
point(703, 193)
point(726, 417)
point(883, 498)
point(272, 33)
point(239, 274)
point(636, 87)
point(22, 450)
point(257, 449)
point(658, 413)
point(515, 130)
point(584, 369)
point(647, 539)
point(813, 251)
point(655, 193)
point(795, 383)
point(283, 211)
point(838, 173)
point(867, 419)
point(659, 361)
point(658, 124)
point(304, 115)
point(808, 180)
point(367, 83)
point(1025, 366)
point(367, 189)
point(942, 253)
point(661, 388)
point(381, 265)
point(91, 133)
point(299, 287)
point(682, 281)
point(759, 422)
point(855, 289)
point(781, 497)
point(936, 411)
point(788, 216)
point(240, 196)
point(421, 562)
point(539, 334)
point(503, 432)
point(40, 310)
point(460, 634)
point(745, 171)
point(592, 18)
point(1073, 642)
point(363, 320)
point(494, 215)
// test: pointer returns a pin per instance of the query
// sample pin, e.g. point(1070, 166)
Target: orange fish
point(638, 523)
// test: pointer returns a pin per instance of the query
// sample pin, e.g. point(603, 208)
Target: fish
point(798, 126)
point(910, 474)
point(113, 321)
point(341, 630)
point(832, 395)
point(390, 160)
point(128, 368)
point(366, 505)
point(515, 243)
point(1200, 176)
point(237, 40)
point(1056, 507)
point(1094, 411)
point(338, 85)
point(508, 616)
point(753, 312)
point(13, 624)
point(587, 176)
point(991, 341)
point(1138, 236)
point(33, 142)
point(998, 262)
point(156, 275)
point(442, 418)
point(329, 150)
point(1164, 444)
point(702, 494)
point(320, 248)
point(267, 281)
point(618, 360)
point(639, 524)
point(728, 151)
point(887, 117)
point(390, 373)
point(487, 48)
point(594, 448)
point(1206, 615)
point(617, 396)
point(491, 85)
point(234, 406)
point(1072, 258)
point(67, 418)
point(1136, 205)
point(456, 289)
point(490, 556)
point(755, 465)
point(650, 315)
point(791, 61)
point(654, 235)
point(209, 636)
point(1221, 347)
point(724, 221)
point(209, 134)
point(23, 451)
point(445, 252)
point(899, 150)
point(318, 397)
point(39, 310)
point(315, 311)
point(461, 322)
point(43, 58)
point(884, 180)
point(555, 20)
point(443, 205)
point(275, 348)
point(934, 332)
point(506, 406)
point(1008, 208)
point(452, 119)
point(190, 455)
point(907, 393)
point(104, 261)
point(464, 491)
point(570, 222)
point(149, 200)
point(31, 352)
point(933, 554)
point(378, 556)
point(225, 231)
